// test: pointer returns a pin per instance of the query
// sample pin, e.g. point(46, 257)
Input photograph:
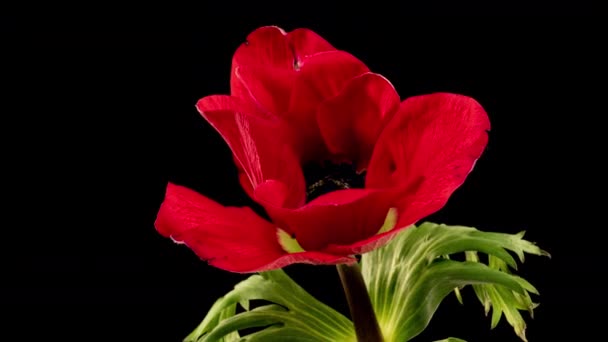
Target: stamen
point(327, 177)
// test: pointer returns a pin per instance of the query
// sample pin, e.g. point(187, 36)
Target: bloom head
point(338, 162)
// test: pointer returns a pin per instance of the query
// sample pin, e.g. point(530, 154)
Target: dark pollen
point(327, 177)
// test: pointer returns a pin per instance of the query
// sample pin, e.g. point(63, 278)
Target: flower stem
point(361, 310)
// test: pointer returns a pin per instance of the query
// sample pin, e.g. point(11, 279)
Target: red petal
point(279, 55)
point(266, 45)
point(365, 245)
point(339, 217)
point(270, 88)
point(230, 238)
point(427, 150)
point(306, 43)
point(273, 47)
point(257, 143)
point(351, 122)
point(321, 77)
point(273, 193)
point(244, 181)
point(230, 103)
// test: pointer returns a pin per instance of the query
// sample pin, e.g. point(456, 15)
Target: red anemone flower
point(338, 162)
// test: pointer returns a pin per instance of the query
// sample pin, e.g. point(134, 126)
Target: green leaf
point(408, 278)
point(291, 315)
point(503, 301)
point(452, 339)
point(457, 289)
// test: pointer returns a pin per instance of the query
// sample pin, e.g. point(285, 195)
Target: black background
point(99, 115)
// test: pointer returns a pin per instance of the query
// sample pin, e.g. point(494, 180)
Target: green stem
point(361, 310)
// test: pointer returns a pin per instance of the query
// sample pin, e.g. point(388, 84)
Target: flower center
point(327, 177)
